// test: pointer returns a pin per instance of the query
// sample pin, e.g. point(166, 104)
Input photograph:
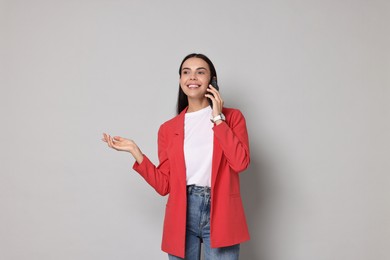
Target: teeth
point(193, 86)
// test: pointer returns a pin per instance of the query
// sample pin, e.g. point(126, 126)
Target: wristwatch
point(218, 117)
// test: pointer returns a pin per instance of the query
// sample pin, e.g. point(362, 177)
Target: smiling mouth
point(193, 86)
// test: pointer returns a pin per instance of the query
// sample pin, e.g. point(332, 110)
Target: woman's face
point(195, 78)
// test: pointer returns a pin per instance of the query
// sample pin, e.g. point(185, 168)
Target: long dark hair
point(182, 100)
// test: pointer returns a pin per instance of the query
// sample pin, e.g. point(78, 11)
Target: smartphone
point(214, 83)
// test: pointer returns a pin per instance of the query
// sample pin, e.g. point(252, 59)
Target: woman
point(201, 151)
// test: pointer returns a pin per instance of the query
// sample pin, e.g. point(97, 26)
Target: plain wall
point(311, 77)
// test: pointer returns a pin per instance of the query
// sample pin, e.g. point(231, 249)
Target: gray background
point(311, 77)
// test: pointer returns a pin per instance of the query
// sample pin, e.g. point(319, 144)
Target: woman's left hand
point(215, 97)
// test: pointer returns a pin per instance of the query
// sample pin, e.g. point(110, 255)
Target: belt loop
point(189, 188)
point(208, 190)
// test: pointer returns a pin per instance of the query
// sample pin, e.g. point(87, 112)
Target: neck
point(195, 105)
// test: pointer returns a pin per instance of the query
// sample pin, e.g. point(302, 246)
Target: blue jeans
point(198, 229)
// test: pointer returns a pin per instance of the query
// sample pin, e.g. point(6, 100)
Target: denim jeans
point(198, 229)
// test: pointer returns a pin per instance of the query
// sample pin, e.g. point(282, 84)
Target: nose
point(193, 76)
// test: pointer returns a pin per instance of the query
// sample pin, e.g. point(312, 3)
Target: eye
point(185, 72)
point(202, 72)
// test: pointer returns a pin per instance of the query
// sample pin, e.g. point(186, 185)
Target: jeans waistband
point(198, 190)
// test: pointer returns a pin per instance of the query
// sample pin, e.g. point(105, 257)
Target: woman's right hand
point(123, 144)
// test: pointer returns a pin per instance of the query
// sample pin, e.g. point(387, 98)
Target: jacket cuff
point(221, 126)
point(140, 166)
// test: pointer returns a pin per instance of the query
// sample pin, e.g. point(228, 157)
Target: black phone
point(214, 83)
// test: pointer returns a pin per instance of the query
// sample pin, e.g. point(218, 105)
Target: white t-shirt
point(198, 146)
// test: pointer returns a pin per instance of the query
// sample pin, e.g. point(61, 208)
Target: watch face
point(218, 117)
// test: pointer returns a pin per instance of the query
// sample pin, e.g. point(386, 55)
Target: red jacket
point(230, 156)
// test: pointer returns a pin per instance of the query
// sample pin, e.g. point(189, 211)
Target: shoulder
point(229, 110)
point(233, 116)
point(170, 124)
point(232, 112)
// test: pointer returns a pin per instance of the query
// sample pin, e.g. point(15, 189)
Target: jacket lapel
point(178, 144)
point(217, 156)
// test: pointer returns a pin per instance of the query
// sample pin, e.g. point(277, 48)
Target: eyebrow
point(200, 68)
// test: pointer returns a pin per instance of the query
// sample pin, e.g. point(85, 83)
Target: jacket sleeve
point(157, 177)
point(232, 136)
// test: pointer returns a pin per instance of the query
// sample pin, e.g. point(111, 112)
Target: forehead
point(194, 63)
